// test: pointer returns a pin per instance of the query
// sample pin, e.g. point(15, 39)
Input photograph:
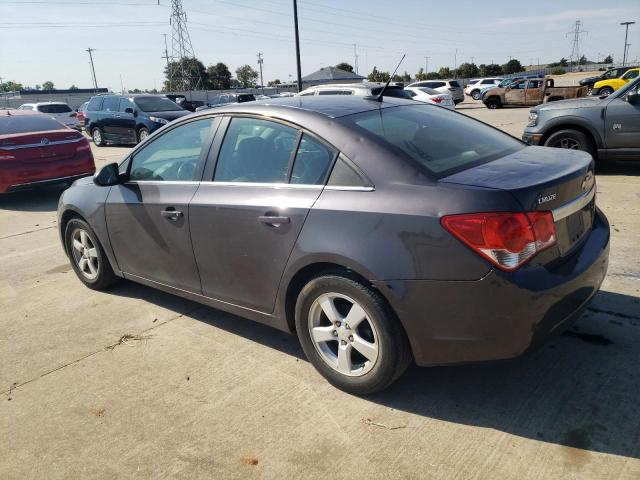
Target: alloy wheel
point(143, 134)
point(568, 143)
point(97, 136)
point(343, 335)
point(85, 254)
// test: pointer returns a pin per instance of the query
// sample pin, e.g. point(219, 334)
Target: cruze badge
point(546, 198)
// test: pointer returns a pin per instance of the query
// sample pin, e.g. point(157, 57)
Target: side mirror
point(107, 176)
point(633, 97)
point(128, 110)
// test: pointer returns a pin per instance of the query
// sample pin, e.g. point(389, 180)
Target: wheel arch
point(65, 218)
point(573, 125)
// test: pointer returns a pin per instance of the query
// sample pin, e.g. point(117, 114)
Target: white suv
point(452, 87)
point(475, 87)
point(58, 110)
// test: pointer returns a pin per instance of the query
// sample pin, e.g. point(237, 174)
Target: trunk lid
point(543, 179)
point(43, 146)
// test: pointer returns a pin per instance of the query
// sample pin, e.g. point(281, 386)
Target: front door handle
point(170, 214)
point(274, 220)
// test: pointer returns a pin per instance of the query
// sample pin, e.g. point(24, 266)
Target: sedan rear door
point(264, 176)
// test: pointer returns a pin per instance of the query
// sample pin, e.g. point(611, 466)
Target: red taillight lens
point(507, 240)
point(6, 155)
point(437, 99)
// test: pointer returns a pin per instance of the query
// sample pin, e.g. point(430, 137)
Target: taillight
point(437, 99)
point(507, 240)
point(74, 114)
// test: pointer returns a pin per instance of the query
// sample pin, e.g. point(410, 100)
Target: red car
point(37, 150)
point(80, 114)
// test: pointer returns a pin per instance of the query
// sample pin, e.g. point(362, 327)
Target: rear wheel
point(493, 103)
point(605, 91)
point(96, 136)
point(349, 335)
point(87, 255)
point(572, 140)
point(476, 95)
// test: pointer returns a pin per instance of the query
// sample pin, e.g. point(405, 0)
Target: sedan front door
point(246, 221)
point(148, 215)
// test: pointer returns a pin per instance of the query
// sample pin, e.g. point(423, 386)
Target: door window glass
point(125, 103)
point(95, 104)
point(631, 74)
point(172, 156)
point(312, 163)
point(256, 151)
point(111, 104)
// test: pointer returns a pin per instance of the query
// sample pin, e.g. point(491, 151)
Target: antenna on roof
point(379, 97)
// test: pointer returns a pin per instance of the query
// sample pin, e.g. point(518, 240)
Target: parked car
point(80, 113)
point(358, 224)
point(503, 84)
point(474, 89)
point(128, 119)
point(364, 89)
point(610, 74)
point(227, 98)
point(606, 127)
point(58, 110)
point(37, 150)
point(181, 100)
point(427, 95)
point(451, 87)
point(530, 92)
point(607, 87)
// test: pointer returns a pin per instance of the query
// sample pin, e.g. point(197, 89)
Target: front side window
point(172, 156)
point(111, 104)
point(312, 163)
point(156, 104)
point(435, 138)
point(124, 104)
point(256, 151)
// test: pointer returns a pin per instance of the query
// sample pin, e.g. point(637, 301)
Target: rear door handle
point(171, 214)
point(274, 220)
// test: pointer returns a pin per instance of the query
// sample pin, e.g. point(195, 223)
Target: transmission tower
point(575, 56)
point(181, 77)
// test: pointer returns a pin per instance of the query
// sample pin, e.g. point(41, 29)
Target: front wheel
point(349, 335)
point(143, 133)
point(605, 91)
point(476, 95)
point(572, 140)
point(493, 103)
point(96, 136)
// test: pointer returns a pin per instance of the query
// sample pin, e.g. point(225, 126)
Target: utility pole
point(472, 59)
point(575, 43)
point(426, 64)
point(295, 26)
point(260, 60)
point(455, 60)
point(93, 70)
point(626, 45)
point(167, 57)
point(355, 56)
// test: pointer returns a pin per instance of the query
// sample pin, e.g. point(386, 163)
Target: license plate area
point(574, 227)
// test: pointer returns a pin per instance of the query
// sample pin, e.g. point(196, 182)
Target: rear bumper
point(503, 314)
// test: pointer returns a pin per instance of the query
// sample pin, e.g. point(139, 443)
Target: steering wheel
point(186, 171)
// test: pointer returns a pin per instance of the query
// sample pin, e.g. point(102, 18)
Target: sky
point(44, 40)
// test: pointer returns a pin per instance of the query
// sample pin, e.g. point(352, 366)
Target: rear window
point(391, 91)
point(55, 108)
point(11, 124)
point(454, 84)
point(433, 84)
point(246, 97)
point(440, 141)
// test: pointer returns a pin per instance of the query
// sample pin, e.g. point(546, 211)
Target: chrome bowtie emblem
point(44, 141)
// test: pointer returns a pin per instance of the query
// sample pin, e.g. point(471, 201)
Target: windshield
point(441, 141)
point(622, 91)
point(156, 104)
point(11, 124)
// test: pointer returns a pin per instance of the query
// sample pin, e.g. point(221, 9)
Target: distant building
point(330, 75)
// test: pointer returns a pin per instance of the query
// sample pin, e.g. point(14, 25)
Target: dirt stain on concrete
point(250, 460)
point(98, 412)
point(64, 268)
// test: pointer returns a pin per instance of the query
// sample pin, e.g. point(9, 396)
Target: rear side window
point(256, 151)
point(111, 104)
point(55, 108)
point(436, 139)
point(95, 104)
point(246, 97)
point(345, 174)
point(335, 92)
point(10, 124)
point(434, 84)
point(312, 163)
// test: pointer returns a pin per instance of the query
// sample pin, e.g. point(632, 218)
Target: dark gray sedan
point(381, 232)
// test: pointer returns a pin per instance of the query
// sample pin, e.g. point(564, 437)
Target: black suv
point(227, 98)
point(128, 118)
point(608, 75)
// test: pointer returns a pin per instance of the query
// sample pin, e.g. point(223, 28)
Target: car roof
point(332, 106)
point(46, 103)
point(349, 85)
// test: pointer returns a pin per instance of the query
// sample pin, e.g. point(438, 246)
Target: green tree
point(420, 76)
point(219, 76)
point(512, 66)
point(444, 72)
point(195, 75)
point(247, 76)
point(583, 60)
point(344, 66)
point(432, 76)
point(608, 59)
point(406, 77)
point(11, 86)
point(274, 83)
point(489, 70)
point(48, 85)
point(73, 87)
point(378, 76)
point(468, 70)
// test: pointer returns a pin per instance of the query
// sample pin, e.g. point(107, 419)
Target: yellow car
point(607, 87)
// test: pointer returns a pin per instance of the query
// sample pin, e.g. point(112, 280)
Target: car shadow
point(619, 167)
point(42, 199)
point(579, 390)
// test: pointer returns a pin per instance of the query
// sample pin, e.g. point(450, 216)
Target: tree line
point(213, 77)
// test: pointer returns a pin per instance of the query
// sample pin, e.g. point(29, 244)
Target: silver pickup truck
point(606, 127)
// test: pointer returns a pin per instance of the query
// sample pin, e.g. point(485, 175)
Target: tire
point(143, 133)
point(493, 103)
point(87, 255)
point(571, 139)
point(97, 137)
point(476, 95)
point(336, 349)
point(605, 91)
